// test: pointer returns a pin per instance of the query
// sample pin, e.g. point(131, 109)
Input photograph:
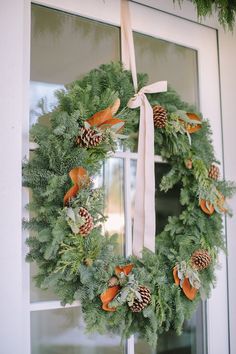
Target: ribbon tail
point(149, 194)
point(127, 42)
point(139, 219)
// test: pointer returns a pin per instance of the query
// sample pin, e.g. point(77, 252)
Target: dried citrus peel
point(109, 294)
point(104, 119)
point(207, 207)
point(79, 177)
point(189, 291)
point(190, 128)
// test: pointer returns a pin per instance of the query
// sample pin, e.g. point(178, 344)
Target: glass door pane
point(62, 50)
point(64, 47)
point(163, 60)
point(61, 331)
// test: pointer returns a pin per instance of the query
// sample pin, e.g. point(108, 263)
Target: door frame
point(14, 89)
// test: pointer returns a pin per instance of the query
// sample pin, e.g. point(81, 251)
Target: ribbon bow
point(144, 211)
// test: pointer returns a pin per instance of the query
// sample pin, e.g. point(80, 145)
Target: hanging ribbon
point(127, 42)
point(144, 211)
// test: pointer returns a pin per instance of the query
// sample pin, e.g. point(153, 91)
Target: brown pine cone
point(88, 138)
point(159, 116)
point(214, 172)
point(200, 259)
point(145, 293)
point(88, 225)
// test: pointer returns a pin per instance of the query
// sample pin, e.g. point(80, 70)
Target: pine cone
point(89, 138)
point(145, 293)
point(214, 172)
point(87, 227)
point(200, 259)
point(159, 116)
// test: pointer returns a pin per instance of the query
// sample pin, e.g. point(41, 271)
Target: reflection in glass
point(64, 47)
point(37, 294)
point(167, 204)
point(163, 60)
point(114, 199)
point(62, 331)
point(42, 99)
point(190, 342)
point(62, 50)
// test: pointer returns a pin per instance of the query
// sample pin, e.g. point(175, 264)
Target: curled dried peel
point(104, 119)
point(189, 291)
point(107, 296)
point(189, 127)
point(112, 123)
point(79, 177)
point(115, 106)
point(71, 193)
point(207, 207)
point(125, 269)
point(100, 117)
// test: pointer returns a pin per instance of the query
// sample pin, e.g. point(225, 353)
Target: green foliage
point(226, 10)
point(78, 267)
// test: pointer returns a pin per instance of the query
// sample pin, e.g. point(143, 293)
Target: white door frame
point(14, 85)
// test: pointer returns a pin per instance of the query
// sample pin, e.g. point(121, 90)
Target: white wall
point(227, 45)
point(13, 80)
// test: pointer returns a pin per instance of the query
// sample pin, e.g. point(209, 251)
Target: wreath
point(147, 295)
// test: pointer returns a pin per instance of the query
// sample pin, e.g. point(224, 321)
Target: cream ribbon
point(127, 42)
point(144, 210)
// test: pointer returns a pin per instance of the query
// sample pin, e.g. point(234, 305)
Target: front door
point(68, 39)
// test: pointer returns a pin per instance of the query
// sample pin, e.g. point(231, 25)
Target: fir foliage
point(77, 267)
point(226, 10)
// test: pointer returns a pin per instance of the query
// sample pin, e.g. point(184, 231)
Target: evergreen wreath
point(123, 295)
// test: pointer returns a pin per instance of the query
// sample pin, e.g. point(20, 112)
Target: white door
point(167, 47)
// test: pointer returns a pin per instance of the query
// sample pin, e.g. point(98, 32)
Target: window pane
point(114, 201)
point(190, 342)
point(64, 47)
point(37, 294)
point(62, 50)
point(62, 331)
point(164, 60)
point(167, 204)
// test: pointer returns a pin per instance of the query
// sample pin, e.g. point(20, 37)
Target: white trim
point(100, 10)
point(227, 55)
point(14, 88)
point(51, 305)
